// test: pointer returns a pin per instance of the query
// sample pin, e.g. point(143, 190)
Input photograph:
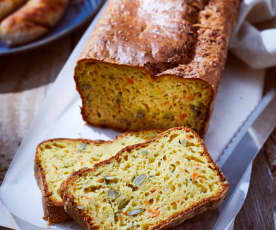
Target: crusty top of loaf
point(187, 38)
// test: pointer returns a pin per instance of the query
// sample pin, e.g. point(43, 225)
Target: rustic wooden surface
point(24, 81)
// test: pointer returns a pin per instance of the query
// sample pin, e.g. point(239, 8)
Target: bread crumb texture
point(143, 186)
point(130, 99)
point(60, 157)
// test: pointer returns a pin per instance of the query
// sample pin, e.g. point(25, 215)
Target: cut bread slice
point(56, 159)
point(152, 185)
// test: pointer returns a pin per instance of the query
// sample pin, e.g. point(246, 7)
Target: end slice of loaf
point(152, 185)
point(56, 159)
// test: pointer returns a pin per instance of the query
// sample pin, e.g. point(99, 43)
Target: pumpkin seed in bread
point(152, 185)
point(56, 159)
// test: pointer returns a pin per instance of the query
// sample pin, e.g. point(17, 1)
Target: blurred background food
point(31, 21)
point(28, 24)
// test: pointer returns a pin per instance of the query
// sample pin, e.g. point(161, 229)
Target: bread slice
point(56, 159)
point(152, 185)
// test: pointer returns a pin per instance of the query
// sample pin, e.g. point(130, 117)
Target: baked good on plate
point(155, 64)
point(56, 159)
point(152, 185)
point(8, 6)
point(31, 21)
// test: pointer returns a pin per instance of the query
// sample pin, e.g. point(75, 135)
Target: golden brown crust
point(31, 21)
point(127, 35)
point(54, 210)
point(207, 204)
point(191, 42)
point(77, 216)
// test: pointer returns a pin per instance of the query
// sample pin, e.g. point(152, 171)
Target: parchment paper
point(59, 116)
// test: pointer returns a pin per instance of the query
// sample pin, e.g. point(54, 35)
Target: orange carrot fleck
point(189, 97)
point(153, 190)
point(100, 180)
point(201, 180)
point(156, 213)
point(130, 81)
point(188, 138)
point(150, 210)
point(182, 116)
point(146, 202)
point(195, 175)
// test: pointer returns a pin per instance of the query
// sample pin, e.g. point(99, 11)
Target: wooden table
point(24, 81)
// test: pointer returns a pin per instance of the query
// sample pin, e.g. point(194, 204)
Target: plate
point(77, 13)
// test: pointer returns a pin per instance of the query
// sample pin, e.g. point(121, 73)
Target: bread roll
point(30, 22)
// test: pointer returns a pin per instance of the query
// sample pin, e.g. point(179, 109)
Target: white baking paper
point(59, 116)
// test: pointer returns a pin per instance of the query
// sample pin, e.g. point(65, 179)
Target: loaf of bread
point(56, 159)
point(155, 63)
point(152, 185)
